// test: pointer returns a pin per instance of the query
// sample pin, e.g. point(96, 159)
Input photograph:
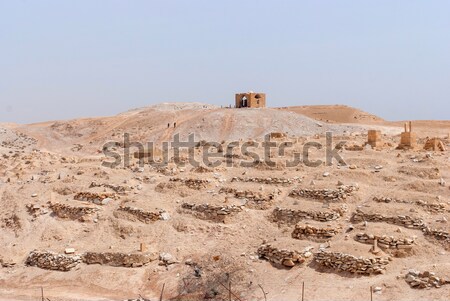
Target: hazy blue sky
point(65, 59)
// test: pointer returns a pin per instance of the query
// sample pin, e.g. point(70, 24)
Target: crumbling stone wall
point(335, 195)
point(352, 264)
point(421, 280)
point(272, 181)
point(255, 200)
point(319, 234)
point(52, 261)
point(385, 242)
point(280, 256)
point(211, 212)
point(196, 184)
point(93, 197)
point(401, 220)
point(292, 217)
point(430, 207)
point(115, 188)
point(73, 213)
point(130, 260)
point(139, 214)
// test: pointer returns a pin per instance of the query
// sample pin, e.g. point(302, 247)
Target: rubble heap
point(52, 261)
point(292, 217)
point(36, 210)
point(385, 242)
point(431, 207)
point(70, 212)
point(211, 212)
point(141, 215)
point(130, 260)
point(280, 256)
point(335, 195)
point(196, 184)
point(92, 197)
point(115, 188)
point(401, 220)
point(422, 280)
point(273, 181)
point(352, 264)
point(306, 231)
point(255, 200)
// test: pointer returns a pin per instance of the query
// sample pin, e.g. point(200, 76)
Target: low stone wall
point(334, 195)
point(255, 200)
point(139, 214)
point(352, 264)
point(196, 184)
point(115, 188)
point(430, 207)
point(211, 212)
point(421, 280)
point(440, 236)
point(385, 242)
point(272, 181)
point(73, 213)
point(92, 197)
point(401, 220)
point(130, 260)
point(52, 261)
point(292, 217)
point(319, 234)
point(280, 256)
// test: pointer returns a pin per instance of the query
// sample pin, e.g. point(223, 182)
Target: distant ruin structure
point(374, 139)
point(250, 100)
point(434, 144)
point(408, 139)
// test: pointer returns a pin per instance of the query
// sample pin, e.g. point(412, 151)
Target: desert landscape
point(372, 225)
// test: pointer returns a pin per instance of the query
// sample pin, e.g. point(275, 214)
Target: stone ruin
point(374, 139)
point(36, 210)
point(430, 207)
point(196, 184)
point(96, 198)
point(334, 195)
point(385, 242)
point(52, 261)
point(129, 260)
point(48, 260)
point(408, 139)
point(254, 200)
point(73, 213)
point(421, 280)
point(211, 212)
point(116, 188)
point(310, 232)
point(434, 144)
point(140, 215)
point(268, 181)
point(292, 216)
point(352, 264)
point(282, 257)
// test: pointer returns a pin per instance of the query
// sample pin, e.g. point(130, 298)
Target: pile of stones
point(431, 207)
point(70, 212)
point(334, 195)
point(36, 210)
point(211, 212)
point(115, 188)
point(306, 231)
point(130, 260)
point(255, 200)
point(196, 184)
point(282, 257)
point(292, 217)
point(352, 264)
point(52, 261)
point(273, 181)
point(96, 198)
point(141, 215)
point(385, 242)
point(422, 280)
point(439, 235)
point(401, 220)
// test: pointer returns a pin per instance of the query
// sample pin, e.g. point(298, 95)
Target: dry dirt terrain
point(235, 227)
